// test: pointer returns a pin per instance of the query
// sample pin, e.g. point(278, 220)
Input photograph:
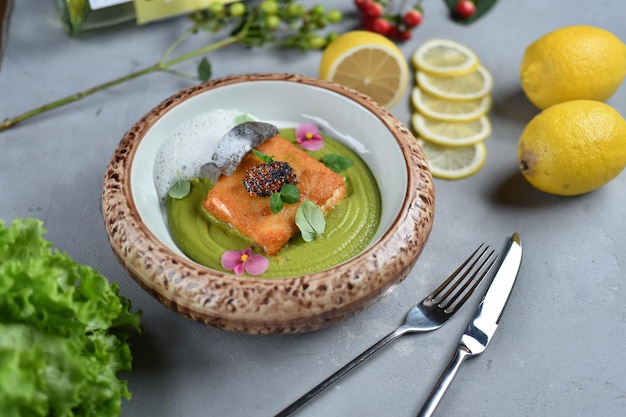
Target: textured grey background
point(559, 350)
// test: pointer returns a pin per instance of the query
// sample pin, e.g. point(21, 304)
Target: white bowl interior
point(285, 104)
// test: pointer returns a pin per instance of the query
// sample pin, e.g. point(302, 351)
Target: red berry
point(393, 32)
point(412, 18)
point(373, 10)
point(361, 4)
point(381, 26)
point(464, 9)
point(367, 23)
point(404, 35)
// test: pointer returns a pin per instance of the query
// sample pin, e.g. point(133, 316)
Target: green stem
point(162, 65)
point(177, 42)
point(181, 74)
point(7, 123)
point(209, 48)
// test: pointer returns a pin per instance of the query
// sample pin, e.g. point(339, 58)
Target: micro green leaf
point(336, 163)
point(262, 156)
point(276, 203)
point(180, 189)
point(204, 70)
point(310, 220)
point(244, 118)
point(289, 193)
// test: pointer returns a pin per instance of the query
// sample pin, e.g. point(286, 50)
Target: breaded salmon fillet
point(230, 202)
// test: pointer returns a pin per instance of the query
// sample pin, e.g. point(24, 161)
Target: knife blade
point(484, 323)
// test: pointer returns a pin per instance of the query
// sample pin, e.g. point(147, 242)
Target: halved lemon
point(447, 110)
point(473, 85)
point(451, 133)
point(453, 163)
point(444, 57)
point(369, 63)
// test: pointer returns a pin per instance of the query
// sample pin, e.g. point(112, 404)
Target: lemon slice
point(452, 133)
point(470, 86)
point(369, 63)
point(445, 58)
point(447, 110)
point(453, 163)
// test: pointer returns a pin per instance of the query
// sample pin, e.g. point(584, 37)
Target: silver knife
point(484, 323)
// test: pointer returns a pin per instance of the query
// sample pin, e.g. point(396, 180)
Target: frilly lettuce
point(63, 331)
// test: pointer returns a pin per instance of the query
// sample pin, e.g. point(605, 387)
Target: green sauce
point(350, 226)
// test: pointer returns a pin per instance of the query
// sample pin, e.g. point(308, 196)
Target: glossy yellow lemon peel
point(573, 147)
point(573, 63)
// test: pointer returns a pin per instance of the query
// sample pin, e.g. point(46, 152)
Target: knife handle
point(444, 382)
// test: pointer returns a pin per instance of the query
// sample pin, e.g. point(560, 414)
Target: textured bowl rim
point(261, 305)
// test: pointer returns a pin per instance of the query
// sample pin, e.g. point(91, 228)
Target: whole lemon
point(571, 63)
point(573, 147)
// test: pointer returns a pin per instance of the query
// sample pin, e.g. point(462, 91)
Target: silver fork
point(430, 314)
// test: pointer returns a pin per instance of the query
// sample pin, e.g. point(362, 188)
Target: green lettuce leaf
point(63, 331)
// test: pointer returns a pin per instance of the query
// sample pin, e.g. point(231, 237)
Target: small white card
point(101, 4)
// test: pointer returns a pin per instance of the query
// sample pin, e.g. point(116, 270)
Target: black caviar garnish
point(267, 179)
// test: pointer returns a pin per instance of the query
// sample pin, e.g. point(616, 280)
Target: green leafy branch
point(285, 22)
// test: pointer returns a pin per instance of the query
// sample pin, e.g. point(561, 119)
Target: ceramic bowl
point(139, 235)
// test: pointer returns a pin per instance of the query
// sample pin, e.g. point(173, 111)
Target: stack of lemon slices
point(451, 101)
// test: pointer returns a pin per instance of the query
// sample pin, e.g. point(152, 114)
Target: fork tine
point(485, 269)
point(452, 276)
point(465, 274)
point(456, 290)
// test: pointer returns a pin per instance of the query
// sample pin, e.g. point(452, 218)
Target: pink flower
point(244, 260)
point(308, 137)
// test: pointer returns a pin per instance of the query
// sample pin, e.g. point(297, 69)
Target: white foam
point(189, 146)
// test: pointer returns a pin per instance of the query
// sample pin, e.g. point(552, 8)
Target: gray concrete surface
point(559, 349)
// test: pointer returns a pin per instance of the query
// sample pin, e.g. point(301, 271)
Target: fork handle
point(341, 372)
point(444, 382)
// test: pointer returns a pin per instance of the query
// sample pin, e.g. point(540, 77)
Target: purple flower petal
point(244, 260)
point(239, 268)
point(231, 258)
point(256, 264)
point(308, 137)
point(313, 144)
point(305, 128)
